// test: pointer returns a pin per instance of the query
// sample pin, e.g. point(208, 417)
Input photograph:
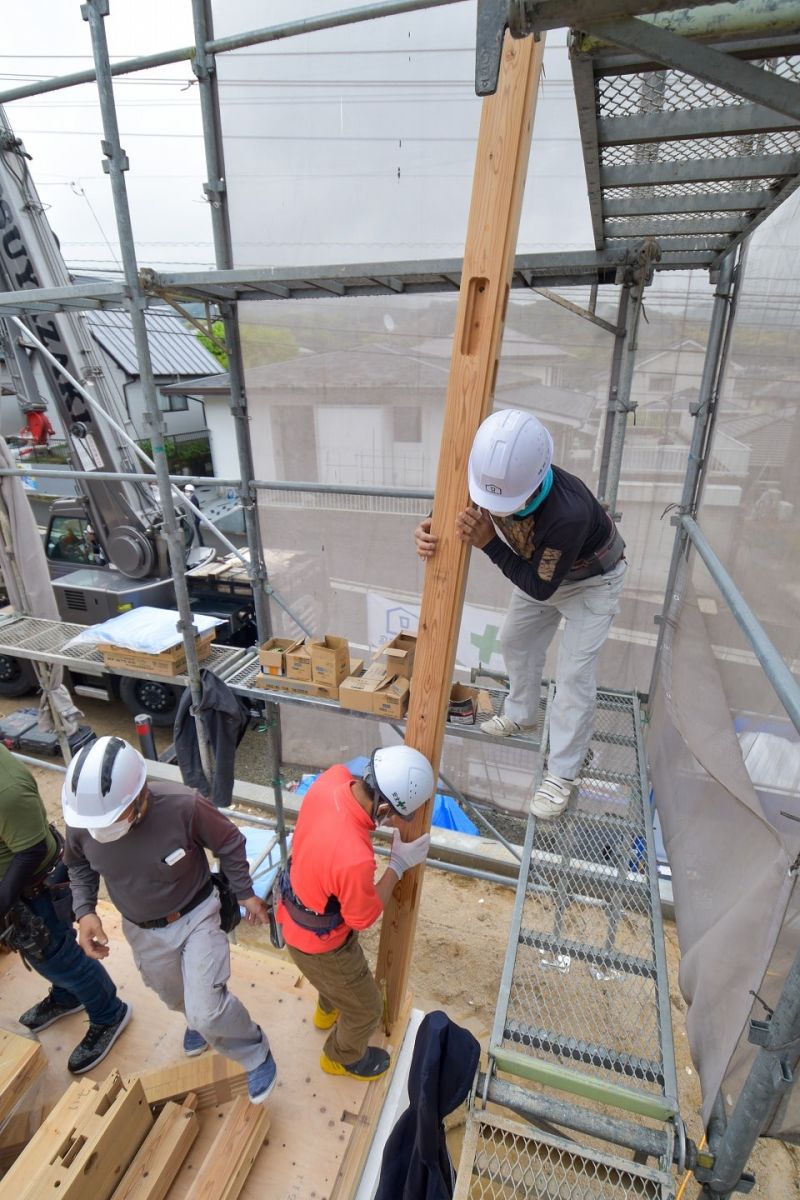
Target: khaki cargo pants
point(344, 981)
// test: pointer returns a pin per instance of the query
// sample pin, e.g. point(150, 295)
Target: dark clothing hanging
point(416, 1164)
point(225, 717)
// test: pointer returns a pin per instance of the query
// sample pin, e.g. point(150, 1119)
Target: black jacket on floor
point(225, 717)
point(416, 1165)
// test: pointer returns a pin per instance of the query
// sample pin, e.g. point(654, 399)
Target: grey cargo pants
point(188, 964)
point(588, 609)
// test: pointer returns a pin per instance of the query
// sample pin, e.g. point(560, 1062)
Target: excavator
point(106, 547)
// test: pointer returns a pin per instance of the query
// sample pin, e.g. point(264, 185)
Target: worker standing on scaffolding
point(562, 551)
point(328, 892)
point(36, 921)
point(149, 842)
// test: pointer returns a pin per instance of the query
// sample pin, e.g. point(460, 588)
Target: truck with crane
point(106, 548)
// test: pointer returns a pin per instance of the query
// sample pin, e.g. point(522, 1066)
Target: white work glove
point(406, 855)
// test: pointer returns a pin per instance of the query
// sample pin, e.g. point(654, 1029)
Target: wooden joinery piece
point(159, 1158)
point(227, 1164)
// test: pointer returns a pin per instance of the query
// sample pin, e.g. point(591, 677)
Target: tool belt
point(25, 932)
point(171, 918)
point(307, 918)
point(601, 561)
point(40, 882)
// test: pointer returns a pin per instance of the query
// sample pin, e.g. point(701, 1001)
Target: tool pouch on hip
point(230, 913)
point(272, 900)
point(61, 895)
point(26, 932)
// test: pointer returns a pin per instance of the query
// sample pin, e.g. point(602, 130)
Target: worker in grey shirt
point(149, 842)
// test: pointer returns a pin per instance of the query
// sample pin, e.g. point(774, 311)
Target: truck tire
point(17, 677)
point(154, 697)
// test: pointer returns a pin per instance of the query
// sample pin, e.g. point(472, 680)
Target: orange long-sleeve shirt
point(332, 855)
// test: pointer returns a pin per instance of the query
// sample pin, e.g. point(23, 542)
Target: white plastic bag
point(150, 630)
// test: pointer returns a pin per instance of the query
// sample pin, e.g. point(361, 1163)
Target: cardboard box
point(168, 663)
point(357, 692)
point(272, 655)
point(297, 687)
point(391, 698)
point(330, 659)
point(305, 687)
point(399, 654)
point(298, 662)
point(463, 706)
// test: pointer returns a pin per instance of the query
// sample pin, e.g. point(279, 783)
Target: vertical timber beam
point(498, 184)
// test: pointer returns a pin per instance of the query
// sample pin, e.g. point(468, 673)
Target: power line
point(280, 137)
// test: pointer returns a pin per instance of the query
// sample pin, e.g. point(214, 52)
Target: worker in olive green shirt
point(31, 875)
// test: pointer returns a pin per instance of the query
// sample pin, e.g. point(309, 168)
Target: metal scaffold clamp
point(494, 18)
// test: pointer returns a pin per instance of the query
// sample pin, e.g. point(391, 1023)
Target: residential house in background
point(176, 354)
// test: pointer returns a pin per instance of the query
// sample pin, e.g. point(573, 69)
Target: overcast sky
point(348, 145)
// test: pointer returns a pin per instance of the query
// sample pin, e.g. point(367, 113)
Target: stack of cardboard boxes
point(322, 668)
point(384, 687)
point(313, 667)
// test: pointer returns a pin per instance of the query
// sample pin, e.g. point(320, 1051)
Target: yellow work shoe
point(324, 1020)
point(372, 1064)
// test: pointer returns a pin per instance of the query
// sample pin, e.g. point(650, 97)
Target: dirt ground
point(458, 959)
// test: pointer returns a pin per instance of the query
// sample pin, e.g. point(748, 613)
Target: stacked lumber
point(22, 1064)
point(85, 1146)
point(129, 1139)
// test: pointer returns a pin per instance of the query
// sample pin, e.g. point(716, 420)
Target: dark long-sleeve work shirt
point(570, 525)
point(179, 825)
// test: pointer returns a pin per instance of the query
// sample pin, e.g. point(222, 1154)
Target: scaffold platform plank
point(584, 986)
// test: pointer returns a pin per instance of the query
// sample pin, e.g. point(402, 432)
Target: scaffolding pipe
point(267, 485)
point(623, 406)
point(39, 762)
point(217, 194)
point(534, 1107)
point(256, 37)
point(783, 681)
point(769, 1080)
point(613, 386)
point(707, 400)
point(116, 164)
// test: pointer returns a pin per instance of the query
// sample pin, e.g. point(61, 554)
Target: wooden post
point(498, 184)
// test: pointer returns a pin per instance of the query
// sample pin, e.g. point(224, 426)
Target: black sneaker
point(96, 1044)
point(373, 1063)
point(47, 1012)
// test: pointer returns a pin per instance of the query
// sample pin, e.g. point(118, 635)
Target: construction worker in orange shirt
point(328, 892)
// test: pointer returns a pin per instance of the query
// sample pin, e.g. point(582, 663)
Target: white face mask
point(112, 833)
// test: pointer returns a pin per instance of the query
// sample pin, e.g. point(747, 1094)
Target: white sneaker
point(501, 726)
point(552, 797)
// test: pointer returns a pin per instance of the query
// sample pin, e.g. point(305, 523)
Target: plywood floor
point(315, 1119)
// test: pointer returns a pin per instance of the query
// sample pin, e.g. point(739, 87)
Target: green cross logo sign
point(487, 643)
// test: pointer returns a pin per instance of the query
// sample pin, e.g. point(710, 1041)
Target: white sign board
point(478, 638)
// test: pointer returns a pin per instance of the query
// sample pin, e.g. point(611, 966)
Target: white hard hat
point(403, 776)
point(190, 489)
point(510, 457)
point(103, 779)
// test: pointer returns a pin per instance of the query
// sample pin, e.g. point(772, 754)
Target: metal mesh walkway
point(584, 987)
point(584, 998)
point(510, 1161)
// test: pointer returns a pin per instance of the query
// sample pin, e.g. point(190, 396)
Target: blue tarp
point(446, 813)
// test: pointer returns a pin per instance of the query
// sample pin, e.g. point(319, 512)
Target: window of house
point(660, 383)
point(173, 403)
point(407, 424)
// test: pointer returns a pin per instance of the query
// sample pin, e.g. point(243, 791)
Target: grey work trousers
point(188, 964)
point(588, 609)
point(344, 981)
